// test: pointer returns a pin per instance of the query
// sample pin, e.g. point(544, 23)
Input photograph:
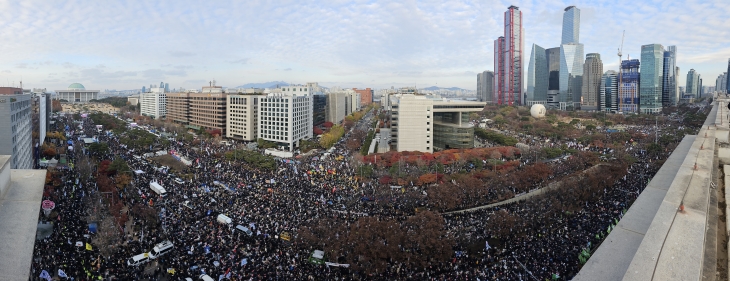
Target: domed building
point(77, 93)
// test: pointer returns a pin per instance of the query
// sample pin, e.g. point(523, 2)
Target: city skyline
point(125, 44)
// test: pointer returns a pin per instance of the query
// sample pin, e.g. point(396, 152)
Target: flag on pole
point(62, 274)
point(88, 247)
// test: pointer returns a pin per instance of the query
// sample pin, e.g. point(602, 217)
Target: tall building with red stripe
point(508, 59)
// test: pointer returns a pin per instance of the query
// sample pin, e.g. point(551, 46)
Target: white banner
point(337, 264)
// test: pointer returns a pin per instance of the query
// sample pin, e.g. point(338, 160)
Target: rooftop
point(20, 199)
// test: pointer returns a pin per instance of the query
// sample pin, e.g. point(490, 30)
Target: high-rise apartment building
point(693, 83)
point(286, 117)
point(628, 90)
point(591, 91)
point(242, 112)
point(15, 123)
point(670, 93)
point(609, 91)
point(509, 58)
point(537, 76)
point(154, 103)
point(652, 72)
point(571, 60)
point(485, 86)
point(552, 56)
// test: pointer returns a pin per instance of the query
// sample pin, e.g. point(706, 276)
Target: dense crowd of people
point(536, 242)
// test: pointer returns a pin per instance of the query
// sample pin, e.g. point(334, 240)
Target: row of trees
point(446, 157)
point(495, 137)
point(252, 158)
point(331, 137)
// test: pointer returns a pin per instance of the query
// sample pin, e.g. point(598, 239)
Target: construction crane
point(618, 94)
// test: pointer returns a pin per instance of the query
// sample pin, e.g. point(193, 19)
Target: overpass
point(671, 231)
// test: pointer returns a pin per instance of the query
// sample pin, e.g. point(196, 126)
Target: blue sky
point(128, 44)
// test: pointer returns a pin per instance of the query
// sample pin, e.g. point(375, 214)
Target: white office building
point(15, 123)
point(285, 116)
point(242, 115)
point(154, 103)
point(422, 123)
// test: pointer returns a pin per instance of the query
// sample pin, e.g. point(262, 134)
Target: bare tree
point(107, 237)
point(84, 166)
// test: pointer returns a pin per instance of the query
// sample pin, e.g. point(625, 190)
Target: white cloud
point(380, 43)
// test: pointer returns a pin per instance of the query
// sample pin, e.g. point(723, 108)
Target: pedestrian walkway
point(552, 186)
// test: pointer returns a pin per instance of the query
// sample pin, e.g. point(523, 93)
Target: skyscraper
point(609, 91)
point(553, 65)
point(537, 76)
point(592, 73)
point(571, 74)
point(485, 86)
point(509, 52)
point(720, 83)
point(652, 72)
point(628, 89)
point(727, 77)
point(162, 84)
point(499, 71)
point(693, 82)
point(670, 94)
point(571, 59)
point(571, 25)
point(144, 90)
point(167, 88)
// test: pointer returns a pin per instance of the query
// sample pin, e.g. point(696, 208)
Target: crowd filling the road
point(367, 229)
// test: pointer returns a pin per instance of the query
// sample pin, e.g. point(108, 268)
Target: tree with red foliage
point(385, 179)
point(328, 124)
point(103, 167)
point(317, 131)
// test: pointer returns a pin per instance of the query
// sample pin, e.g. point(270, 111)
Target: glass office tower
point(652, 73)
point(537, 76)
point(571, 25)
point(670, 94)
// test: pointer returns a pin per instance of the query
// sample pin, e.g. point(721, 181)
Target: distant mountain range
point(433, 88)
point(271, 84)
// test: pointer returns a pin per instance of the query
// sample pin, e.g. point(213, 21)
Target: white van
point(139, 259)
point(224, 219)
point(157, 188)
point(161, 249)
point(244, 230)
point(205, 277)
point(179, 181)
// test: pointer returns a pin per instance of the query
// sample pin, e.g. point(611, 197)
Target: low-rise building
point(77, 93)
point(422, 123)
